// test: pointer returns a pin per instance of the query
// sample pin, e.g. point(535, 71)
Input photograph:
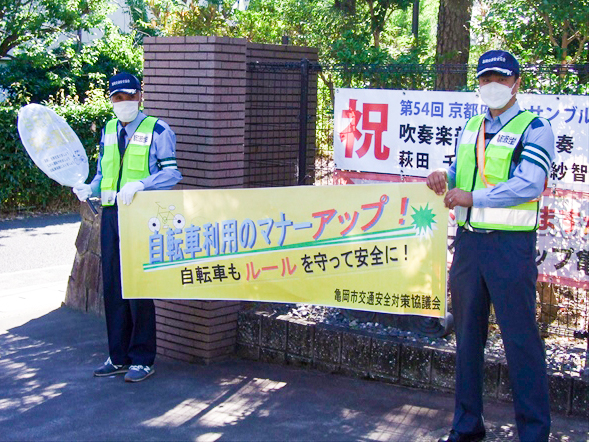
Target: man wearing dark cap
point(137, 153)
point(502, 162)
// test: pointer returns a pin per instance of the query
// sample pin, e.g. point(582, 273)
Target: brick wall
point(196, 331)
point(235, 127)
point(197, 85)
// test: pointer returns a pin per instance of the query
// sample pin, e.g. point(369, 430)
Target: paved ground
point(38, 242)
point(47, 392)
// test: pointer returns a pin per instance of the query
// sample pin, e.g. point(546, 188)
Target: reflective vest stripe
point(110, 138)
point(511, 219)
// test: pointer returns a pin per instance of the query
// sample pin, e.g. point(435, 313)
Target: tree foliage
point(140, 22)
point(178, 17)
point(27, 21)
point(551, 36)
point(348, 31)
point(344, 31)
point(380, 12)
point(547, 31)
point(40, 69)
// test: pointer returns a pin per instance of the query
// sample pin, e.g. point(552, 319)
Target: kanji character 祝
point(381, 152)
point(351, 132)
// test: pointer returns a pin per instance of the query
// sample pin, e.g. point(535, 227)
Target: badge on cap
point(125, 83)
point(501, 62)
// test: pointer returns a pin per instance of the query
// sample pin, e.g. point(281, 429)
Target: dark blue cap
point(125, 83)
point(501, 62)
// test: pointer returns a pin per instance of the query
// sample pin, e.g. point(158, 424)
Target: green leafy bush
point(23, 186)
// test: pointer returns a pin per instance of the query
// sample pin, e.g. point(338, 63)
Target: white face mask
point(126, 111)
point(496, 95)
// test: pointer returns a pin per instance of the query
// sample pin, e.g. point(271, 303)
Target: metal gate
point(281, 108)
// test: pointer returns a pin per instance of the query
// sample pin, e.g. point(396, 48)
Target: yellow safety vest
point(135, 163)
point(498, 156)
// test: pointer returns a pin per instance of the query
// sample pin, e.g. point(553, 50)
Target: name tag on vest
point(507, 140)
point(139, 138)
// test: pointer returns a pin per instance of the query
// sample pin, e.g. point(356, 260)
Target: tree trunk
point(453, 44)
point(583, 71)
point(347, 6)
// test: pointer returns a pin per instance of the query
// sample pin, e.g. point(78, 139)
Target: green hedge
point(23, 187)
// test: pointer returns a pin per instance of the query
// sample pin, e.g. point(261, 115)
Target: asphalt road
point(36, 259)
point(38, 242)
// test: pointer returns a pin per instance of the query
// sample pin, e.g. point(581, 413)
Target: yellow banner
point(377, 247)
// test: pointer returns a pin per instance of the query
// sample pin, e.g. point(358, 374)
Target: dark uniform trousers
point(130, 323)
point(499, 268)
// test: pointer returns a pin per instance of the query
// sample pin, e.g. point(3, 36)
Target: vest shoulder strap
point(148, 123)
point(475, 122)
point(111, 126)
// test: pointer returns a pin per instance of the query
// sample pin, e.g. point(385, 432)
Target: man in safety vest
point(502, 162)
point(137, 153)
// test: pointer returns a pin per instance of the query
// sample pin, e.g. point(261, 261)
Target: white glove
point(128, 191)
point(82, 191)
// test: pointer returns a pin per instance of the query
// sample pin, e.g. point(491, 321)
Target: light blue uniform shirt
point(162, 156)
point(528, 177)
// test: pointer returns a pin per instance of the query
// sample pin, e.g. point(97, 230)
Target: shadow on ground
point(47, 392)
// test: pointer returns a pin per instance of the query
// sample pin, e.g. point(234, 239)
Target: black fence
point(303, 104)
point(281, 106)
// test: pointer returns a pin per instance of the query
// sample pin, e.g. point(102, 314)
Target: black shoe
point(109, 369)
point(454, 436)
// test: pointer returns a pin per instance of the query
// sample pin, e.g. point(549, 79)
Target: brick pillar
point(197, 331)
point(197, 85)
